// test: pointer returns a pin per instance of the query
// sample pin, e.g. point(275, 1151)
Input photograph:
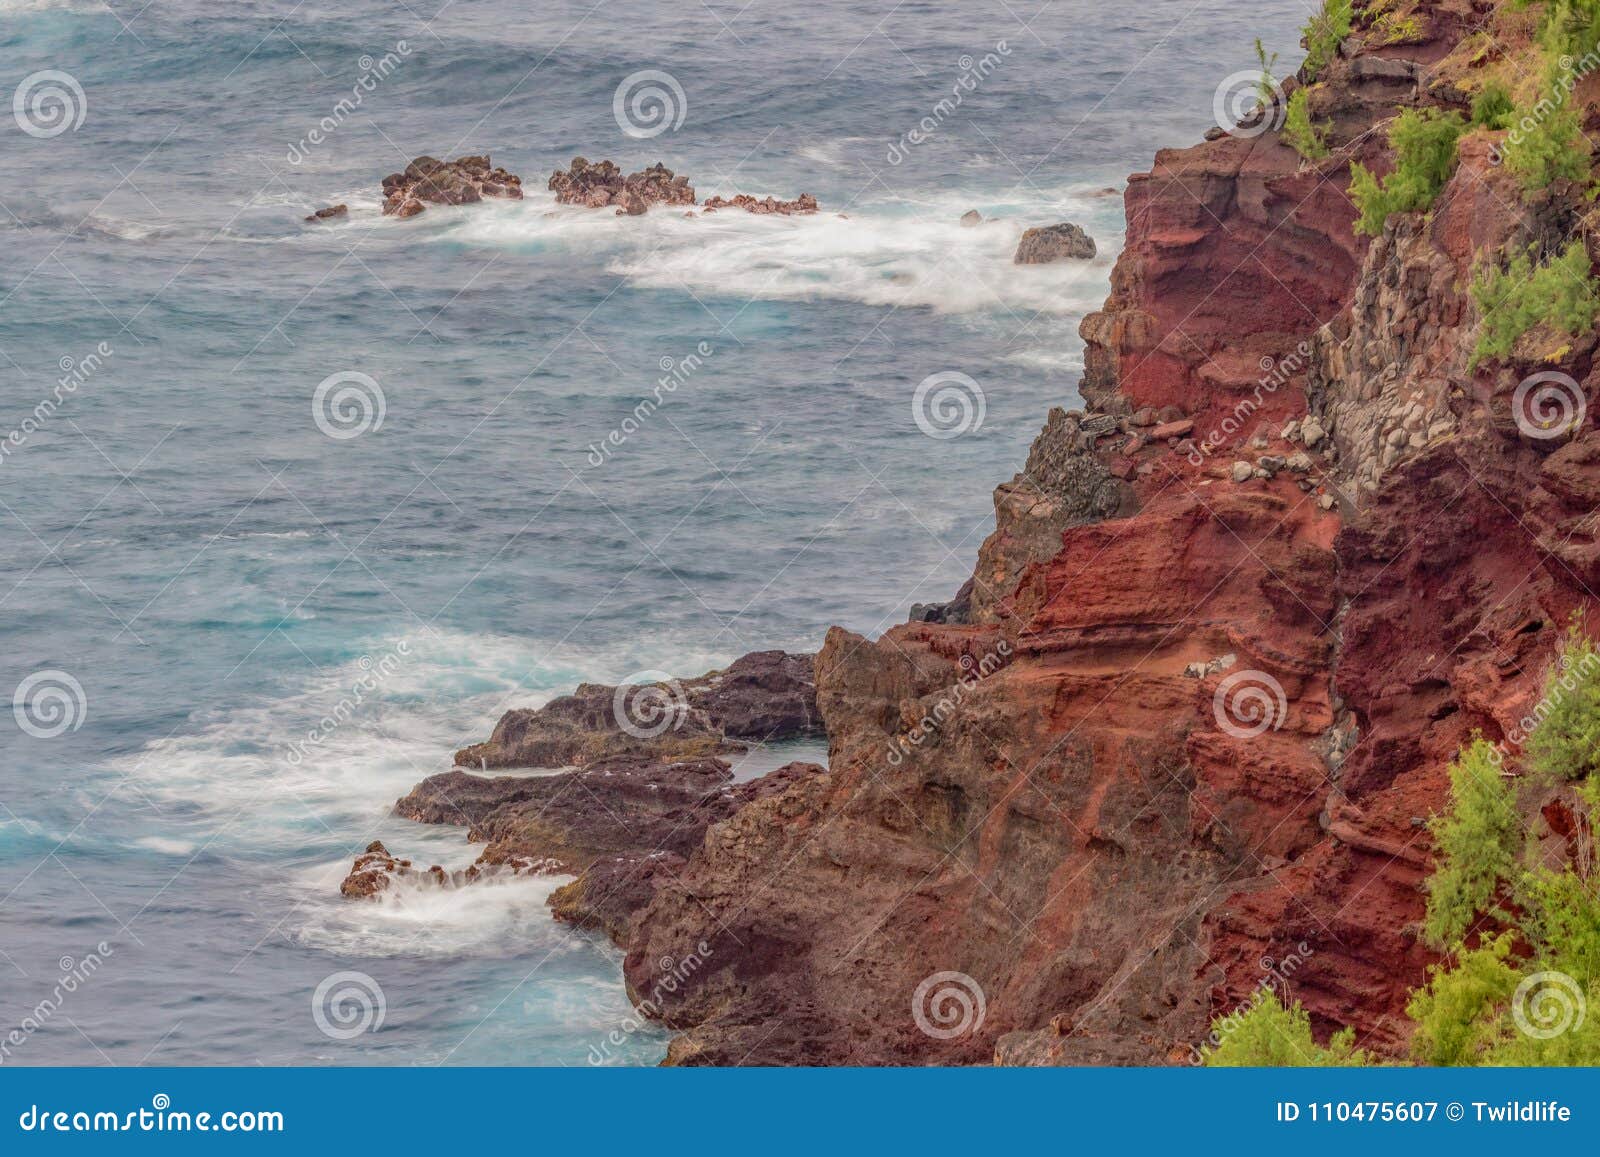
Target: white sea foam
point(894, 253)
point(226, 786)
point(504, 915)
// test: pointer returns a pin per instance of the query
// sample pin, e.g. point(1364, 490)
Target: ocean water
point(196, 571)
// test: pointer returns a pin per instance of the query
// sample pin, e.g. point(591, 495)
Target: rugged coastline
point(1197, 700)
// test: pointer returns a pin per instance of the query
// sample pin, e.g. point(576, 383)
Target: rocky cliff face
point(1186, 722)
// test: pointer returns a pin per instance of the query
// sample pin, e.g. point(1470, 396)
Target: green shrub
point(1300, 132)
point(1569, 27)
point(1476, 842)
point(1459, 1013)
point(1561, 293)
point(1270, 1035)
point(1425, 154)
point(1493, 108)
point(1323, 34)
point(1550, 148)
point(1565, 742)
point(1562, 920)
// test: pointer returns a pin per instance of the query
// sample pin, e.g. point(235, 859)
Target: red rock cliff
point(1211, 670)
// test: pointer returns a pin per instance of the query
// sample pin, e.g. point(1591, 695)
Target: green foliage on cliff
point(1425, 154)
point(1300, 132)
point(1521, 995)
point(1551, 148)
point(1565, 743)
point(1459, 1013)
point(1561, 293)
point(1323, 34)
point(1476, 844)
point(1546, 141)
point(1493, 107)
point(1569, 27)
point(1270, 1035)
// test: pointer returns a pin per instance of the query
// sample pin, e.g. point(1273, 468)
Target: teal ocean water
point(200, 566)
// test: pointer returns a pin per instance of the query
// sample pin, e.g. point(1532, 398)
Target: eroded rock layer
point(1187, 720)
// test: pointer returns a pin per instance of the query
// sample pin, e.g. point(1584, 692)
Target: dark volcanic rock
point(329, 213)
point(1054, 243)
point(598, 185)
point(463, 181)
point(612, 890)
point(613, 806)
point(623, 825)
point(804, 203)
point(761, 696)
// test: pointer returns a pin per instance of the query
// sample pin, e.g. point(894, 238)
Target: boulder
point(430, 181)
point(1049, 243)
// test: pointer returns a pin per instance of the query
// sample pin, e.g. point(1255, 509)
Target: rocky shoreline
point(1190, 713)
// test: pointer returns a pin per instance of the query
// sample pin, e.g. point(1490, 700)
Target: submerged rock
point(329, 213)
point(804, 203)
